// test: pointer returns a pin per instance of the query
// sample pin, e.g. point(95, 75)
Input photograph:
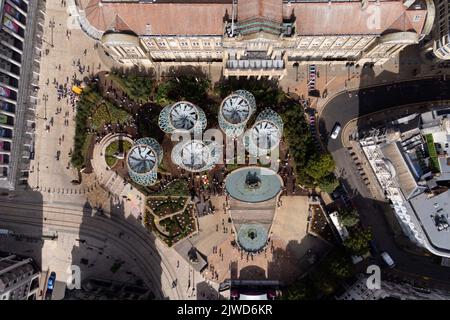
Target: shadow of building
point(23, 235)
point(119, 250)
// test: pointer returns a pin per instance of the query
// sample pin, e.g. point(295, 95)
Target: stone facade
point(253, 38)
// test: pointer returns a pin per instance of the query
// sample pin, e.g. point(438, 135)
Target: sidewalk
point(43, 284)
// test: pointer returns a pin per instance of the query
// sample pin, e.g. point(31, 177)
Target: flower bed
point(166, 206)
point(108, 113)
point(175, 188)
point(175, 228)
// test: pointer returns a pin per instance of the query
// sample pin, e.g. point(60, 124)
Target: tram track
point(71, 219)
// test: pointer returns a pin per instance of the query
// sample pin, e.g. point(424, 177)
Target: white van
point(387, 259)
point(336, 130)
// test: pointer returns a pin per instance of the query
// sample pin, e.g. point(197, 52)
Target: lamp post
point(296, 71)
point(52, 26)
point(45, 98)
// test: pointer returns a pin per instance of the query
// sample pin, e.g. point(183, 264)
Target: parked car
point(387, 259)
point(51, 282)
point(336, 131)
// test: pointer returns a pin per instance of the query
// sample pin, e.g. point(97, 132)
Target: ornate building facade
point(253, 37)
point(440, 44)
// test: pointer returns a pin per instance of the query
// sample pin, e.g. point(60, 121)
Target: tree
point(184, 87)
point(329, 183)
point(302, 145)
point(320, 167)
point(162, 94)
point(137, 87)
point(325, 283)
point(358, 242)
point(340, 267)
point(301, 290)
point(349, 218)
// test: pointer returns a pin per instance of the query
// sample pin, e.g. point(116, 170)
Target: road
point(357, 103)
point(137, 244)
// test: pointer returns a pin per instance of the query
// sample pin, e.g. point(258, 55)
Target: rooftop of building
point(13, 269)
point(425, 143)
point(403, 174)
point(433, 214)
point(208, 17)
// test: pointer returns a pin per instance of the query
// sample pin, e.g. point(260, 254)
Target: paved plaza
point(284, 259)
point(72, 56)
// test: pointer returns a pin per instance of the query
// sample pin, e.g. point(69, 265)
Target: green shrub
point(89, 100)
point(137, 87)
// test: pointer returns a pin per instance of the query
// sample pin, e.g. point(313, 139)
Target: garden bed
point(319, 225)
point(113, 149)
point(106, 113)
point(178, 226)
point(175, 188)
point(172, 229)
point(166, 206)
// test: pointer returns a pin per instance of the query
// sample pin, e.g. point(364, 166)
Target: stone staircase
point(107, 178)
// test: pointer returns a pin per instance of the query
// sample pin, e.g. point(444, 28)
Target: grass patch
point(115, 148)
point(86, 145)
point(176, 227)
point(117, 114)
point(434, 162)
point(233, 166)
